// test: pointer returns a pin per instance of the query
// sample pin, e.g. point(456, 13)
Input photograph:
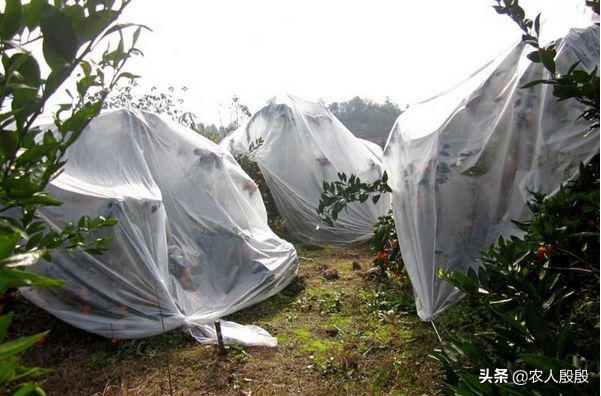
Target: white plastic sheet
point(304, 144)
point(192, 243)
point(462, 164)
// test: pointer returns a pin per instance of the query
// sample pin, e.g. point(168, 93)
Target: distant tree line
point(366, 118)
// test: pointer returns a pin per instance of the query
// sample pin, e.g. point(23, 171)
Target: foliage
point(367, 119)
point(169, 103)
point(69, 33)
point(11, 371)
point(539, 296)
point(338, 194)
point(237, 112)
point(384, 245)
point(576, 83)
point(252, 169)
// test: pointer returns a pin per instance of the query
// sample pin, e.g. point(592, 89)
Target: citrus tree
point(46, 47)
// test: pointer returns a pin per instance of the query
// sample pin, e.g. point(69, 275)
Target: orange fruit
point(384, 255)
point(542, 252)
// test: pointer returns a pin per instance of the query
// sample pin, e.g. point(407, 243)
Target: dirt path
point(344, 336)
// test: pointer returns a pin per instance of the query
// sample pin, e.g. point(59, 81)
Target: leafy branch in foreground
point(338, 194)
point(576, 83)
point(70, 34)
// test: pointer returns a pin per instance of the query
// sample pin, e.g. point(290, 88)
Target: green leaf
point(545, 363)
point(15, 278)
point(536, 82)
point(534, 56)
point(42, 199)
point(564, 338)
point(128, 75)
point(477, 386)
point(24, 389)
point(32, 13)
point(28, 68)
point(95, 24)
point(36, 152)
point(580, 76)
point(5, 321)
point(136, 36)
point(8, 143)
point(462, 281)
point(120, 26)
point(535, 324)
point(11, 20)
point(29, 372)
point(76, 15)
point(54, 80)
point(21, 188)
point(547, 57)
point(7, 370)
point(23, 259)
point(60, 43)
point(8, 241)
point(17, 346)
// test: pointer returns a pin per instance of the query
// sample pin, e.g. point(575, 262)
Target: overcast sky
point(317, 49)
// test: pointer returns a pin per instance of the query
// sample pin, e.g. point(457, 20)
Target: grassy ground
point(346, 336)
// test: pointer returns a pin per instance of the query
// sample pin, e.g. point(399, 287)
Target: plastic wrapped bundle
point(304, 144)
point(462, 164)
point(192, 243)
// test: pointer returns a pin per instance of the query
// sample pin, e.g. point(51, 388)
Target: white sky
point(329, 49)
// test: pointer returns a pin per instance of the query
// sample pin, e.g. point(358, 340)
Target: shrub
point(384, 245)
point(539, 298)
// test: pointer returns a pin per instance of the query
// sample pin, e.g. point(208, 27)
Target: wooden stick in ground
point(219, 336)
